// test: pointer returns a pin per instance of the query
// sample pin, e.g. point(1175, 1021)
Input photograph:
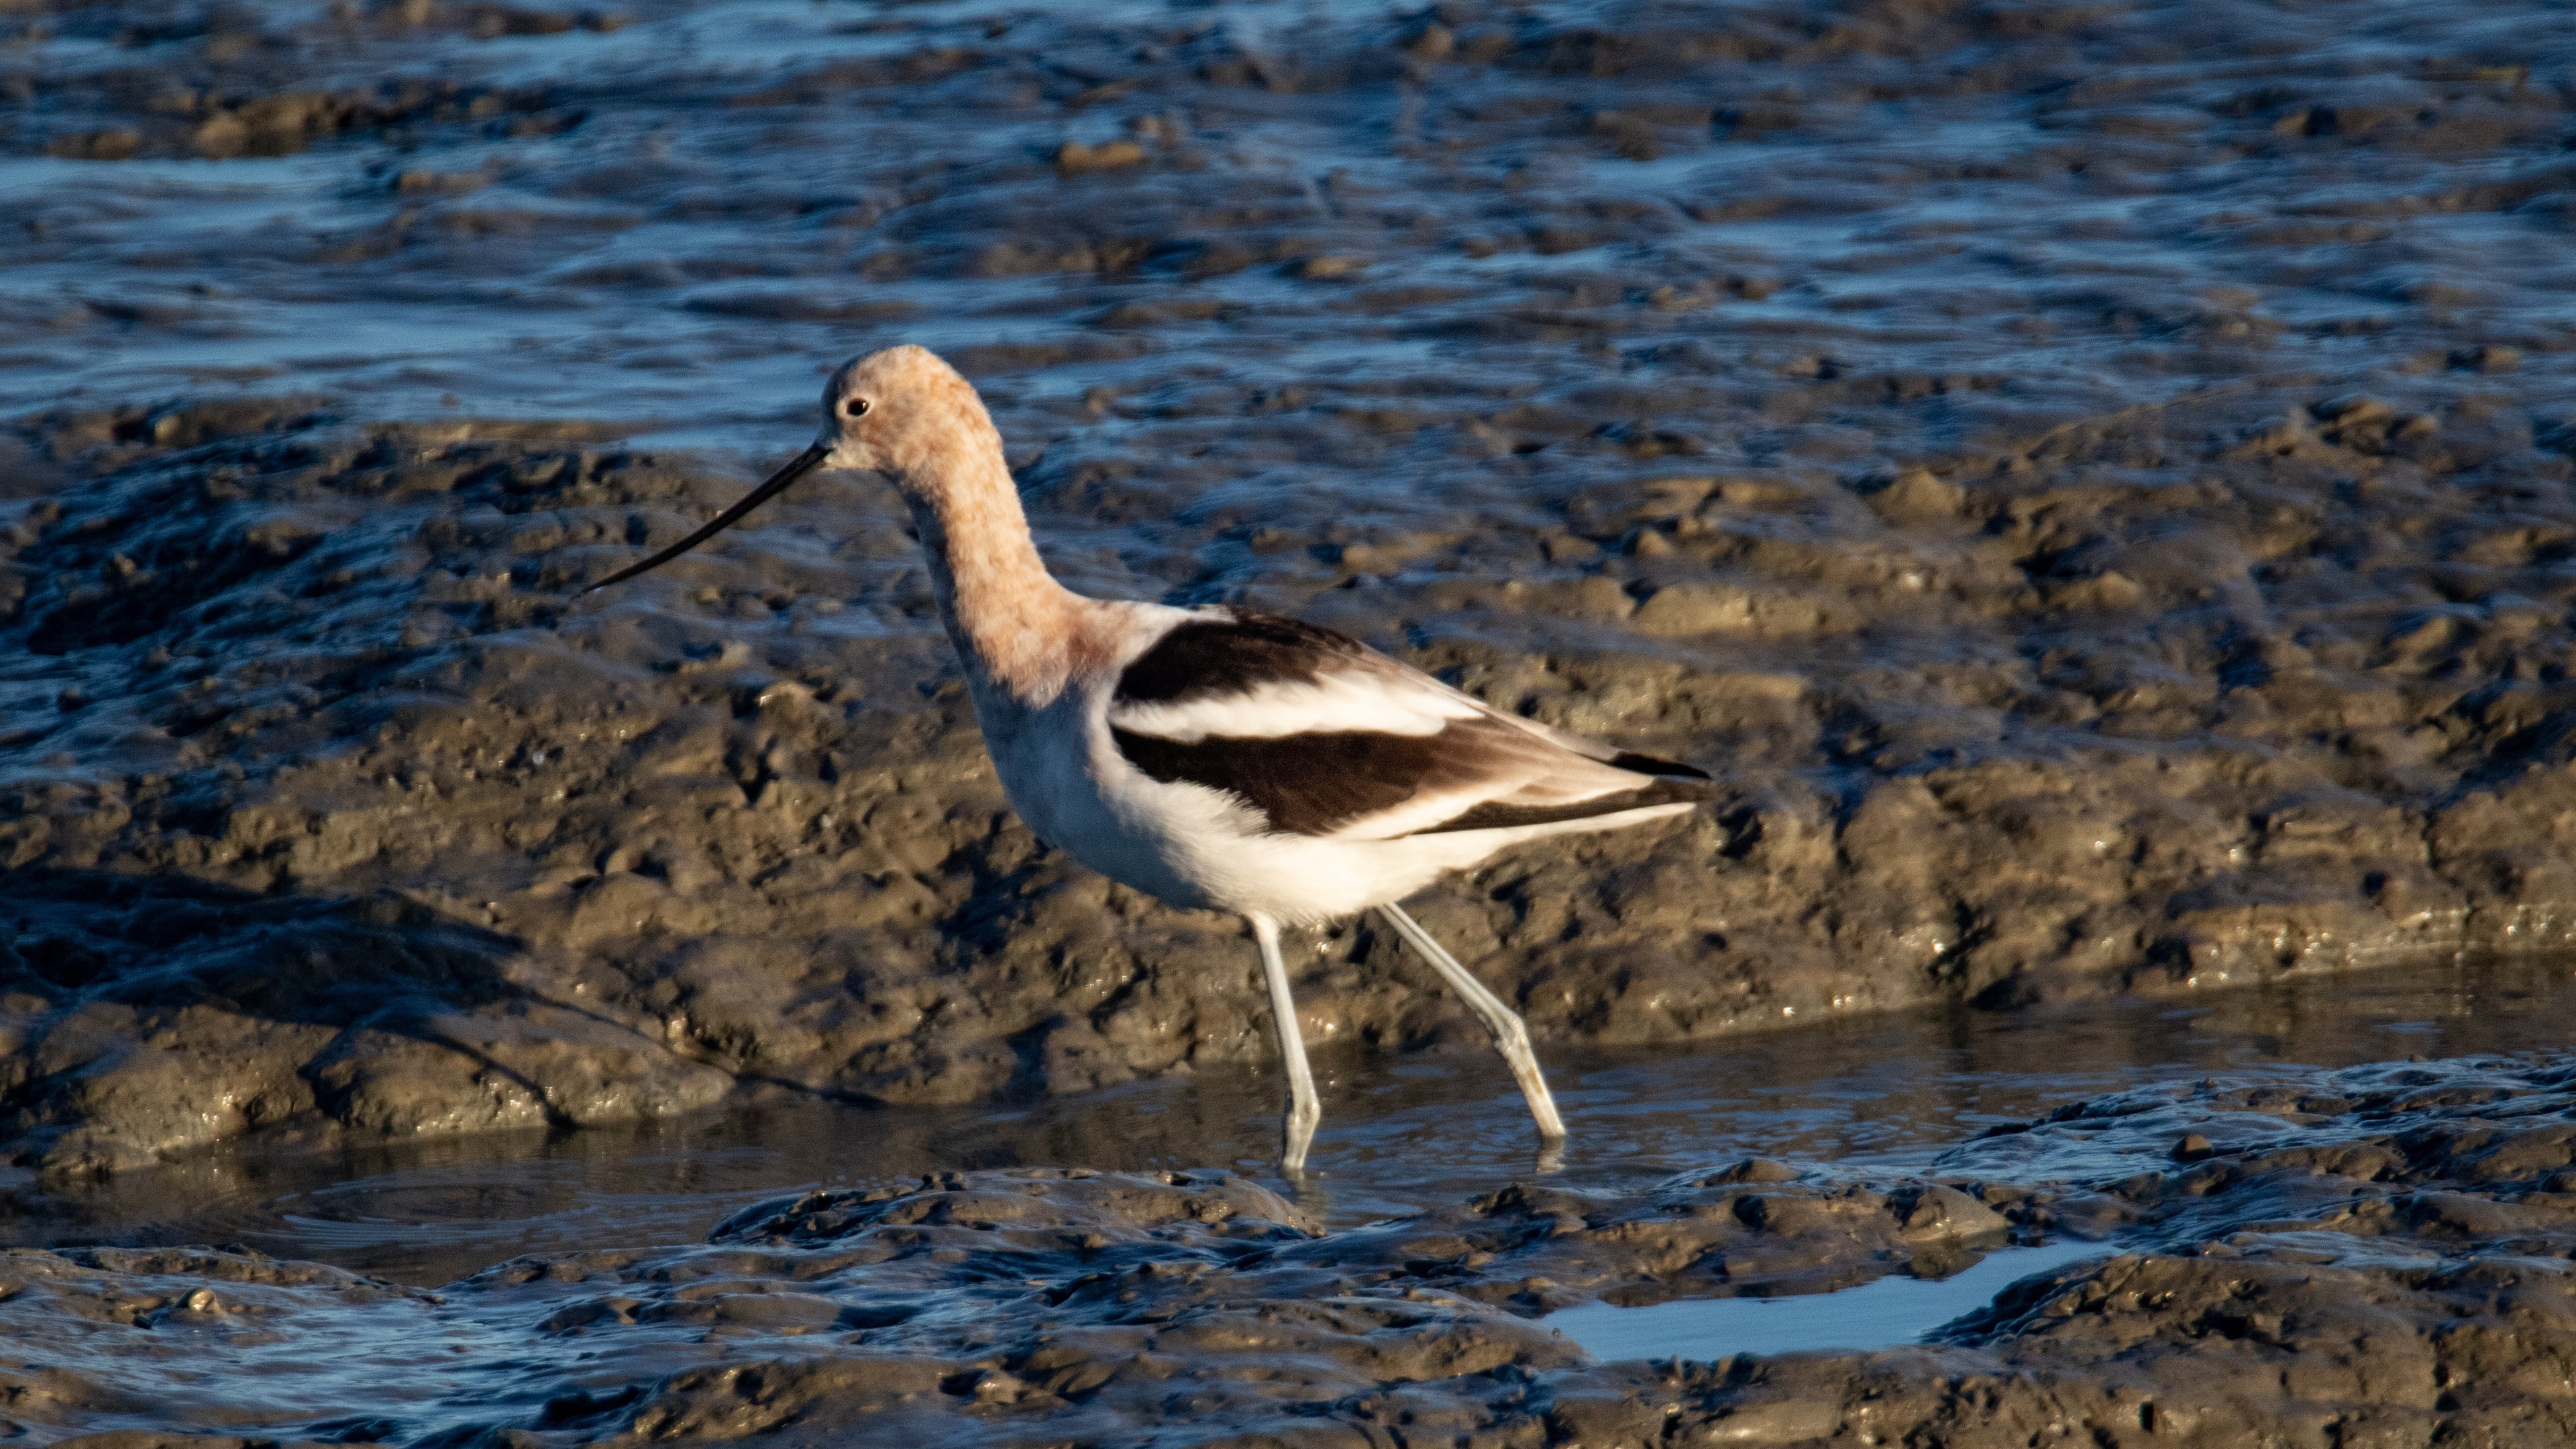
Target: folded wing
point(1327, 737)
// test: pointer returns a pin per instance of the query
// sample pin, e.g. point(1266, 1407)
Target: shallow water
point(1892, 1310)
point(1398, 1135)
point(673, 227)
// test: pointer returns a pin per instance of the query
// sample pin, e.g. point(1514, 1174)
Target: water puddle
point(1881, 1314)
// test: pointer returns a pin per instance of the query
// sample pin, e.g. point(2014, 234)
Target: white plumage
point(1336, 701)
point(1209, 757)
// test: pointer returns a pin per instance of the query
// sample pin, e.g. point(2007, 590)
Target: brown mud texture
point(2371, 1256)
point(2157, 580)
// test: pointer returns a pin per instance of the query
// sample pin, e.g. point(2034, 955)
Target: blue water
point(1892, 1310)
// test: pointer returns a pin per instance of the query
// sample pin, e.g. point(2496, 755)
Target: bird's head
point(904, 413)
point(901, 412)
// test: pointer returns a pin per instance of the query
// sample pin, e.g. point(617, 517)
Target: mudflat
point(2094, 482)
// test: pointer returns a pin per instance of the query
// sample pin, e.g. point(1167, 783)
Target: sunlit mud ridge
point(354, 823)
point(2377, 1251)
point(2094, 487)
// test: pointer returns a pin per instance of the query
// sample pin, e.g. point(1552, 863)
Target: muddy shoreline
point(2378, 1250)
point(2093, 482)
point(1406, 1129)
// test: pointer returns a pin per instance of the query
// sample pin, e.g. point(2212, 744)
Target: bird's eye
point(855, 406)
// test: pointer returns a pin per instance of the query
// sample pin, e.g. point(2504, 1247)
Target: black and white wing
point(1327, 737)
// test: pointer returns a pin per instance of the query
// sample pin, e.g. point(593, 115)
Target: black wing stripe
point(1305, 784)
point(1313, 784)
point(1205, 658)
point(1649, 765)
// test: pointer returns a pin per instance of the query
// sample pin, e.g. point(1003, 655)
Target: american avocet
point(1215, 758)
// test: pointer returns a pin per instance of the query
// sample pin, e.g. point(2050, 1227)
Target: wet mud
point(2093, 482)
point(2376, 1253)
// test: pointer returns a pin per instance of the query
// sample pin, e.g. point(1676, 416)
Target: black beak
point(803, 464)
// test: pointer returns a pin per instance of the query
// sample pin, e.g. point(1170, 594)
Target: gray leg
point(1304, 1110)
point(1511, 1036)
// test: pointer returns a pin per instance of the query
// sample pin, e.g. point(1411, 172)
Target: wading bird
point(1214, 758)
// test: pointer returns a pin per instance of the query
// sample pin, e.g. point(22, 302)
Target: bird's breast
point(1059, 772)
